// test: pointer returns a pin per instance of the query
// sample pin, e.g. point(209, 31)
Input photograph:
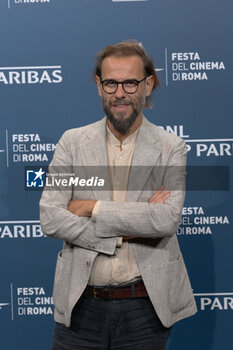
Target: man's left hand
point(81, 207)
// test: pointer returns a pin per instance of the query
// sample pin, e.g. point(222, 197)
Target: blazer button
point(88, 263)
point(93, 247)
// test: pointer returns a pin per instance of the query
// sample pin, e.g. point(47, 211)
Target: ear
point(149, 85)
point(99, 87)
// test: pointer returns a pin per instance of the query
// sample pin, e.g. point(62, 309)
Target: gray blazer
point(154, 225)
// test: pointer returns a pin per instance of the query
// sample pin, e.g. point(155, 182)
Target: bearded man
point(121, 281)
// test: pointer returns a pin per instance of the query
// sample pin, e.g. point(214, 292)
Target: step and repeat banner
point(46, 61)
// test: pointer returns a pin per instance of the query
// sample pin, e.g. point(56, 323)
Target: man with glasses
point(120, 281)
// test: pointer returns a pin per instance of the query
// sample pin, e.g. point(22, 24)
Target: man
point(120, 280)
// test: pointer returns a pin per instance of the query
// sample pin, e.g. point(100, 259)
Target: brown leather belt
point(130, 291)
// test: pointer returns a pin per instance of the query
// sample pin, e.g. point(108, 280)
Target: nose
point(119, 92)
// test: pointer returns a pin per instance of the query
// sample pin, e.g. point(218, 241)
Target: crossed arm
point(85, 207)
point(70, 220)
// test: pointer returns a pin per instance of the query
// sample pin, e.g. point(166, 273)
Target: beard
point(121, 124)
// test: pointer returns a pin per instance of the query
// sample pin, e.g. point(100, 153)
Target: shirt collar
point(113, 140)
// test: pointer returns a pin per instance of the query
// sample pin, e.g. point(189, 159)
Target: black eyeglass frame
point(122, 83)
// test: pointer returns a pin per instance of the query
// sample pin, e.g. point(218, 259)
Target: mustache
point(121, 102)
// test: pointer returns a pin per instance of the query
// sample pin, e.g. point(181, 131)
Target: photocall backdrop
point(46, 60)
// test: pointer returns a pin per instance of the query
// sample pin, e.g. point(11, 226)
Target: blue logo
point(35, 178)
point(3, 304)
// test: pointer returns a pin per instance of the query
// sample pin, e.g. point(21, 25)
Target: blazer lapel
point(94, 157)
point(146, 154)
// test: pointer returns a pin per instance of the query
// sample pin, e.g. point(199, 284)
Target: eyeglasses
point(129, 86)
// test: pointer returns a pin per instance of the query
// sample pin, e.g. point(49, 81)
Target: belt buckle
point(95, 294)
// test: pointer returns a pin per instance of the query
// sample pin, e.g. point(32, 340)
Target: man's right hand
point(160, 196)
